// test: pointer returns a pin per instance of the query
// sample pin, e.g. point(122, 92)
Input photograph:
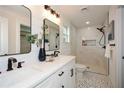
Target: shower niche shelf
point(88, 42)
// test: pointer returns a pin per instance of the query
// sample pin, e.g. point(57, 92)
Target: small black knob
point(62, 86)
point(20, 64)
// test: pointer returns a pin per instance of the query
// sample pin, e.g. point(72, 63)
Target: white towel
point(108, 51)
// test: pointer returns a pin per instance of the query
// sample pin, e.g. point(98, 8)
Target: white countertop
point(33, 73)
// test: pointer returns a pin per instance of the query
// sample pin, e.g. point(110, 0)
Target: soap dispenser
point(42, 52)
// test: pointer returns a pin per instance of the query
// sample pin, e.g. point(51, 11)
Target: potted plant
point(38, 40)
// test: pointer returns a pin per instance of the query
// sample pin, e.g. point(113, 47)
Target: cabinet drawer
point(45, 84)
point(52, 81)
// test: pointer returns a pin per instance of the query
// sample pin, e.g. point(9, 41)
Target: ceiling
point(96, 14)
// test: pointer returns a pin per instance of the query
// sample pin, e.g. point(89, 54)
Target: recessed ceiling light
point(87, 22)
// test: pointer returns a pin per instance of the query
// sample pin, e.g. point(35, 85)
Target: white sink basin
point(14, 77)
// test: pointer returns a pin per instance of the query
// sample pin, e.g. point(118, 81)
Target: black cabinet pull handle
point(72, 72)
point(61, 73)
point(112, 44)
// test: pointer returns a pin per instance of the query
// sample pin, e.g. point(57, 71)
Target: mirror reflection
point(51, 35)
point(14, 27)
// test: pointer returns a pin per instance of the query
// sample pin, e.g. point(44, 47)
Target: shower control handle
point(122, 57)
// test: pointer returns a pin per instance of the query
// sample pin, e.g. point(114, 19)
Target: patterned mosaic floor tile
point(92, 80)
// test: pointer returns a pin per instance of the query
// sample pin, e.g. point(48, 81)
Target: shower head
point(102, 37)
point(101, 29)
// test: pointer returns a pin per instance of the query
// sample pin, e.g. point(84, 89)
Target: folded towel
point(108, 51)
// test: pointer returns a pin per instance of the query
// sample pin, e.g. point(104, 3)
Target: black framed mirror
point(51, 35)
point(15, 25)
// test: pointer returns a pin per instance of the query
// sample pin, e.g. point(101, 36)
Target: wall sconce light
point(57, 15)
point(52, 11)
point(47, 7)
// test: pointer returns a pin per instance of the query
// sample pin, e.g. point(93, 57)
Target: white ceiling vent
point(84, 9)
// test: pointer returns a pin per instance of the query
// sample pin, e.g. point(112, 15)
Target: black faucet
point(20, 64)
point(10, 61)
point(56, 53)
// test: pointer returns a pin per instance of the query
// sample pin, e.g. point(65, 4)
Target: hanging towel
point(108, 51)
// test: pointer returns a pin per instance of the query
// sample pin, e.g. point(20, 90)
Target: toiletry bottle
point(42, 52)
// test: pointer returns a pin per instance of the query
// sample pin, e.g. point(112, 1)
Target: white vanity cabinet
point(63, 78)
point(68, 78)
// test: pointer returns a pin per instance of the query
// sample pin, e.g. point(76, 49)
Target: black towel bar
point(112, 44)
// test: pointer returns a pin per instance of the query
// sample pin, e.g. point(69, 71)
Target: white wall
point(64, 47)
point(68, 48)
point(122, 46)
point(121, 49)
point(115, 61)
point(38, 14)
point(73, 38)
point(119, 41)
